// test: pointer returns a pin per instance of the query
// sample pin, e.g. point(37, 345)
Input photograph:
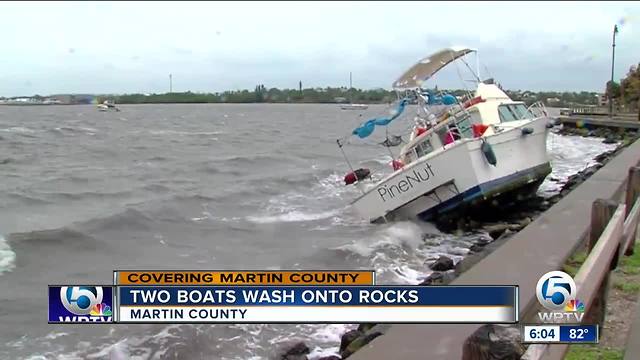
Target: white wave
point(322, 200)
point(319, 352)
point(292, 216)
point(570, 155)
point(7, 256)
point(18, 129)
point(186, 133)
point(54, 335)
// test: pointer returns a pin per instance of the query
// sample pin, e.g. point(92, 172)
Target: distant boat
point(106, 106)
point(351, 105)
point(354, 107)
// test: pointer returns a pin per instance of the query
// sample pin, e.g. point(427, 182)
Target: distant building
point(602, 100)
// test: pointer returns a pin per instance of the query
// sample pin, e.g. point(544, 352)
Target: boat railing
point(538, 109)
point(445, 133)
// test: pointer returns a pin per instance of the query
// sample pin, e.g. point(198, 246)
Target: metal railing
point(538, 109)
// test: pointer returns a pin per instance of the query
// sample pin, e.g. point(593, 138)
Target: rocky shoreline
point(488, 235)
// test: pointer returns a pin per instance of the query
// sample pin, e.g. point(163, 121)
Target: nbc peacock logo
point(574, 306)
point(101, 310)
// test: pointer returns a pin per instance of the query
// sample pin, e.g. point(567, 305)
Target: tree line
point(261, 94)
point(625, 93)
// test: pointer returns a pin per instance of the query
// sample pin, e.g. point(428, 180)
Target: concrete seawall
point(542, 246)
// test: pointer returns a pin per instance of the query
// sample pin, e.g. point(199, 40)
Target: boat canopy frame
point(409, 86)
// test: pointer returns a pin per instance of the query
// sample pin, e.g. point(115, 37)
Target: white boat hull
point(446, 179)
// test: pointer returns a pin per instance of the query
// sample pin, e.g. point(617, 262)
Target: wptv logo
point(80, 304)
point(556, 291)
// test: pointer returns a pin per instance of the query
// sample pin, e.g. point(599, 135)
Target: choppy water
point(195, 187)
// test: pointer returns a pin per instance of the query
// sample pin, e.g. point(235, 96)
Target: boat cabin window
point(464, 127)
point(423, 148)
point(410, 156)
point(475, 116)
point(522, 111)
point(513, 112)
point(448, 134)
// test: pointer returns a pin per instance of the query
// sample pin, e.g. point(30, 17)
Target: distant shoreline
point(193, 103)
point(262, 95)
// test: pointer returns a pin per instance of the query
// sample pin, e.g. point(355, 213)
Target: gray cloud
point(132, 47)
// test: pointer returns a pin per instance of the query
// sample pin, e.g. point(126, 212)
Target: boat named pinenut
point(461, 152)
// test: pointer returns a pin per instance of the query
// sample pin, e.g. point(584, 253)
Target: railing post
point(601, 212)
point(633, 190)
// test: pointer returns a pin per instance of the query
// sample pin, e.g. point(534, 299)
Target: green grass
point(592, 352)
point(629, 288)
point(630, 265)
point(573, 264)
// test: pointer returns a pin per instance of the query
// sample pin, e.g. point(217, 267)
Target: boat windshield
point(514, 112)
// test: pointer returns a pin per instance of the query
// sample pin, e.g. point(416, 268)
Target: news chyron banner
point(276, 297)
point(238, 278)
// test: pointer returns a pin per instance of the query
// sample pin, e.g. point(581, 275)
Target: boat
point(351, 105)
point(462, 153)
point(354, 106)
point(107, 106)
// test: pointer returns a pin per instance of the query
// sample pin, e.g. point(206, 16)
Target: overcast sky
point(129, 47)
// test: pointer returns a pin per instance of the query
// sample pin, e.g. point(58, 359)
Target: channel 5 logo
point(556, 291)
point(78, 304)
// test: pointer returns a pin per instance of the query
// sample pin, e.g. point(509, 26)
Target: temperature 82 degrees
point(579, 333)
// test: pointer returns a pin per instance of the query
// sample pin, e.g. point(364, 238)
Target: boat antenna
point(344, 154)
point(389, 148)
point(348, 162)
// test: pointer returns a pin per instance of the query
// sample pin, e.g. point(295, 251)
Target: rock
point(610, 139)
point(526, 221)
point(439, 278)
point(520, 224)
point(432, 279)
point(544, 205)
point(443, 263)
point(292, 350)
point(476, 248)
point(483, 239)
point(496, 342)
point(358, 343)
point(506, 234)
point(348, 337)
point(473, 224)
point(554, 199)
point(379, 328)
point(589, 171)
point(602, 157)
point(364, 327)
point(495, 230)
point(515, 227)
